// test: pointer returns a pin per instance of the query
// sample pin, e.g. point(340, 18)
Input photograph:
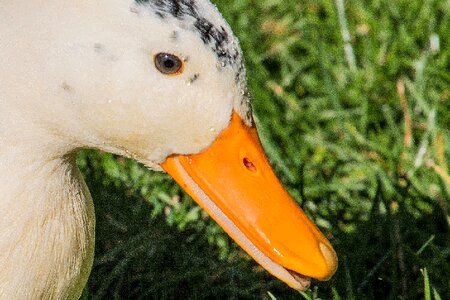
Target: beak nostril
point(249, 165)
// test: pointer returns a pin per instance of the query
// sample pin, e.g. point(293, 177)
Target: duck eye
point(168, 64)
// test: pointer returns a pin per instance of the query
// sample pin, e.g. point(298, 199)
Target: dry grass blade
point(408, 137)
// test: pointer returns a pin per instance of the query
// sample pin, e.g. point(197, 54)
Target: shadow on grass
point(383, 257)
point(141, 257)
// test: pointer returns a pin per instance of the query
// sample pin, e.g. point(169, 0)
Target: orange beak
point(233, 181)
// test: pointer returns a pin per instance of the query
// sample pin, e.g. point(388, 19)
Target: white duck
point(158, 81)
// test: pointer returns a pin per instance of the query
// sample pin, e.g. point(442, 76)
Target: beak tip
point(330, 258)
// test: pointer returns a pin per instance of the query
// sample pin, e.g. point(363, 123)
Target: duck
point(162, 82)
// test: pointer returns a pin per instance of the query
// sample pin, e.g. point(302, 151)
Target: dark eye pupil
point(168, 63)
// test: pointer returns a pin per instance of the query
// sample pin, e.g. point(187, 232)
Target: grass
point(352, 100)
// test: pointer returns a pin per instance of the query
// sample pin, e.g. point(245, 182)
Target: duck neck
point(46, 224)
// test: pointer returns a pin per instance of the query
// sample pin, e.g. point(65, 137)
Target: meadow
point(352, 102)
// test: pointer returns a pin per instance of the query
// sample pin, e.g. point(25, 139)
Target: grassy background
point(353, 107)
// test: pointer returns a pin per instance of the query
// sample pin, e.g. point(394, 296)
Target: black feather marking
point(160, 15)
point(216, 37)
point(204, 27)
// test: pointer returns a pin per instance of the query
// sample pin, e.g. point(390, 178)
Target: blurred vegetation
point(352, 102)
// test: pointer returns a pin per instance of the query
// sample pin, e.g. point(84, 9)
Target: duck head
point(163, 82)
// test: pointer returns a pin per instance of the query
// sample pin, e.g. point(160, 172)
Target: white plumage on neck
point(47, 228)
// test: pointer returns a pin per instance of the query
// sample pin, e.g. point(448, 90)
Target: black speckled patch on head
point(98, 48)
point(215, 36)
point(174, 35)
point(193, 78)
point(67, 87)
point(175, 8)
